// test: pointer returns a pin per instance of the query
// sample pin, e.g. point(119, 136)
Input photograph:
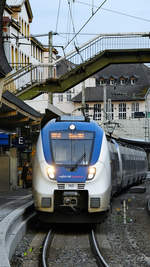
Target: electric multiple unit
point(76, 170)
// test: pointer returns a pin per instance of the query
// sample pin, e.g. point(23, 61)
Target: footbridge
point(83, 62)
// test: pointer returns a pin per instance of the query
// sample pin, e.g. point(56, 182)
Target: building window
point(22, 60)
point(134, 108)
point(28, 31)
point(16, 58)
point(42, 58)
point(122, 111)
point(112, 82)
point(87, 110)
point(101, 81)
point(132, 80)
point(122, 81)
point(31, 49)
point(20, 24)
point(12, 56)
point(68, 96)
point(34, 51)
point(22, 28)
point(97, 112)
point(25, 29)
point(60, 97)
point(38, 55)
point(109, 111)
point(25, 60)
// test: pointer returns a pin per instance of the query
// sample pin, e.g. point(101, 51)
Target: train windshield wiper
point(78, 161)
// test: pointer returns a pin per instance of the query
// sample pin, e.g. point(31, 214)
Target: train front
point(71, 171)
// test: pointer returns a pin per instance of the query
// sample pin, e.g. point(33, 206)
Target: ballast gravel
point(124, 237)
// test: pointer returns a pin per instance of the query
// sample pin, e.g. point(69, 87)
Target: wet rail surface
point(72, 248)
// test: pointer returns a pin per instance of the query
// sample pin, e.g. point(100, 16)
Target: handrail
point(85, 52)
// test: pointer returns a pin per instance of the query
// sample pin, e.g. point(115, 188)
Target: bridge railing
point(39, 73)
point(107, 42)
point(25, 77)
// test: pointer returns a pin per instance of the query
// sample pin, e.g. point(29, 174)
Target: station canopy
point(14, 113)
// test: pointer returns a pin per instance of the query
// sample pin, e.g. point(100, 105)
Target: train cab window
point(71, 148)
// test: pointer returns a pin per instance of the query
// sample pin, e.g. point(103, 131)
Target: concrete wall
point(4, 173)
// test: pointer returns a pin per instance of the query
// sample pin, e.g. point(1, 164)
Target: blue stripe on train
point(77, 176)
point(64, 126)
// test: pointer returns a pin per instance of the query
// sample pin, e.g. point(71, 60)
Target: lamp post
point(50, 59)
point(104, 101)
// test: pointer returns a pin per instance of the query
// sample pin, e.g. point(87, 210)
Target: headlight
point(51, 172)
point(91, 173)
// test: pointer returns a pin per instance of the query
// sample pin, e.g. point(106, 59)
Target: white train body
point(73, 167)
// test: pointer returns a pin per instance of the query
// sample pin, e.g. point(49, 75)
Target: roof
point(15, 113)
point(122, 93)
point(126, 70)
point(4, 66)
point(139, 143)
point(19, 103)
point(64, 66)
point(118, 92)
point(51, 113)
point(37, 42)
point(18, 3)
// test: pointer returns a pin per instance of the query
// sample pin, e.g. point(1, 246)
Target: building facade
point(23, 51)
point(17, 17)
point(121, 96)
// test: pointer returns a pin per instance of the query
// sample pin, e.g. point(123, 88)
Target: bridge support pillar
point(1, 89)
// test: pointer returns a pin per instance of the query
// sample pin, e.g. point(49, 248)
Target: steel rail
point(46, 245)
point(94, 245)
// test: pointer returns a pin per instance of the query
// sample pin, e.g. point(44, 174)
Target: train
point(78, 168)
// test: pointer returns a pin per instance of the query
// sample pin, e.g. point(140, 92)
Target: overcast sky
point(106, 20)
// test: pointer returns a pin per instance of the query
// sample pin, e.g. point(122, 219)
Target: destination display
point(70, 135)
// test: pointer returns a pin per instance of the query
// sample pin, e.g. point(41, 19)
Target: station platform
point(10, 200)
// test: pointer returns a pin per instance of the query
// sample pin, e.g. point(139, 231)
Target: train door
point(118, 165)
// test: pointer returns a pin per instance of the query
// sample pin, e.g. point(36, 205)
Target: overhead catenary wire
point(72, 33)
point(92, 7)
point(68, 27)
point(65, 33)
point(58, 13)
point(86, 23)
point(115, 11)
point(71, 17)
point(70, 11)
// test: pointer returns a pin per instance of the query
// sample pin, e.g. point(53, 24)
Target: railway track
point(71, 245)
point(98, 258)
point(94, 245)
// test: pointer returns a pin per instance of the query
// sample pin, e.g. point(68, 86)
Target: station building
point(19, 122)
point(121, 95)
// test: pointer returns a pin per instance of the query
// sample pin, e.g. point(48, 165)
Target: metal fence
point(39, 73)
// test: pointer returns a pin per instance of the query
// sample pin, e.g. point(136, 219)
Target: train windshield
point(71, 148)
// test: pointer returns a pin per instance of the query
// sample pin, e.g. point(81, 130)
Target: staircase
point(84, 61)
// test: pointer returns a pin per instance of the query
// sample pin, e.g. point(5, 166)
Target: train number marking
point(70, 186)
